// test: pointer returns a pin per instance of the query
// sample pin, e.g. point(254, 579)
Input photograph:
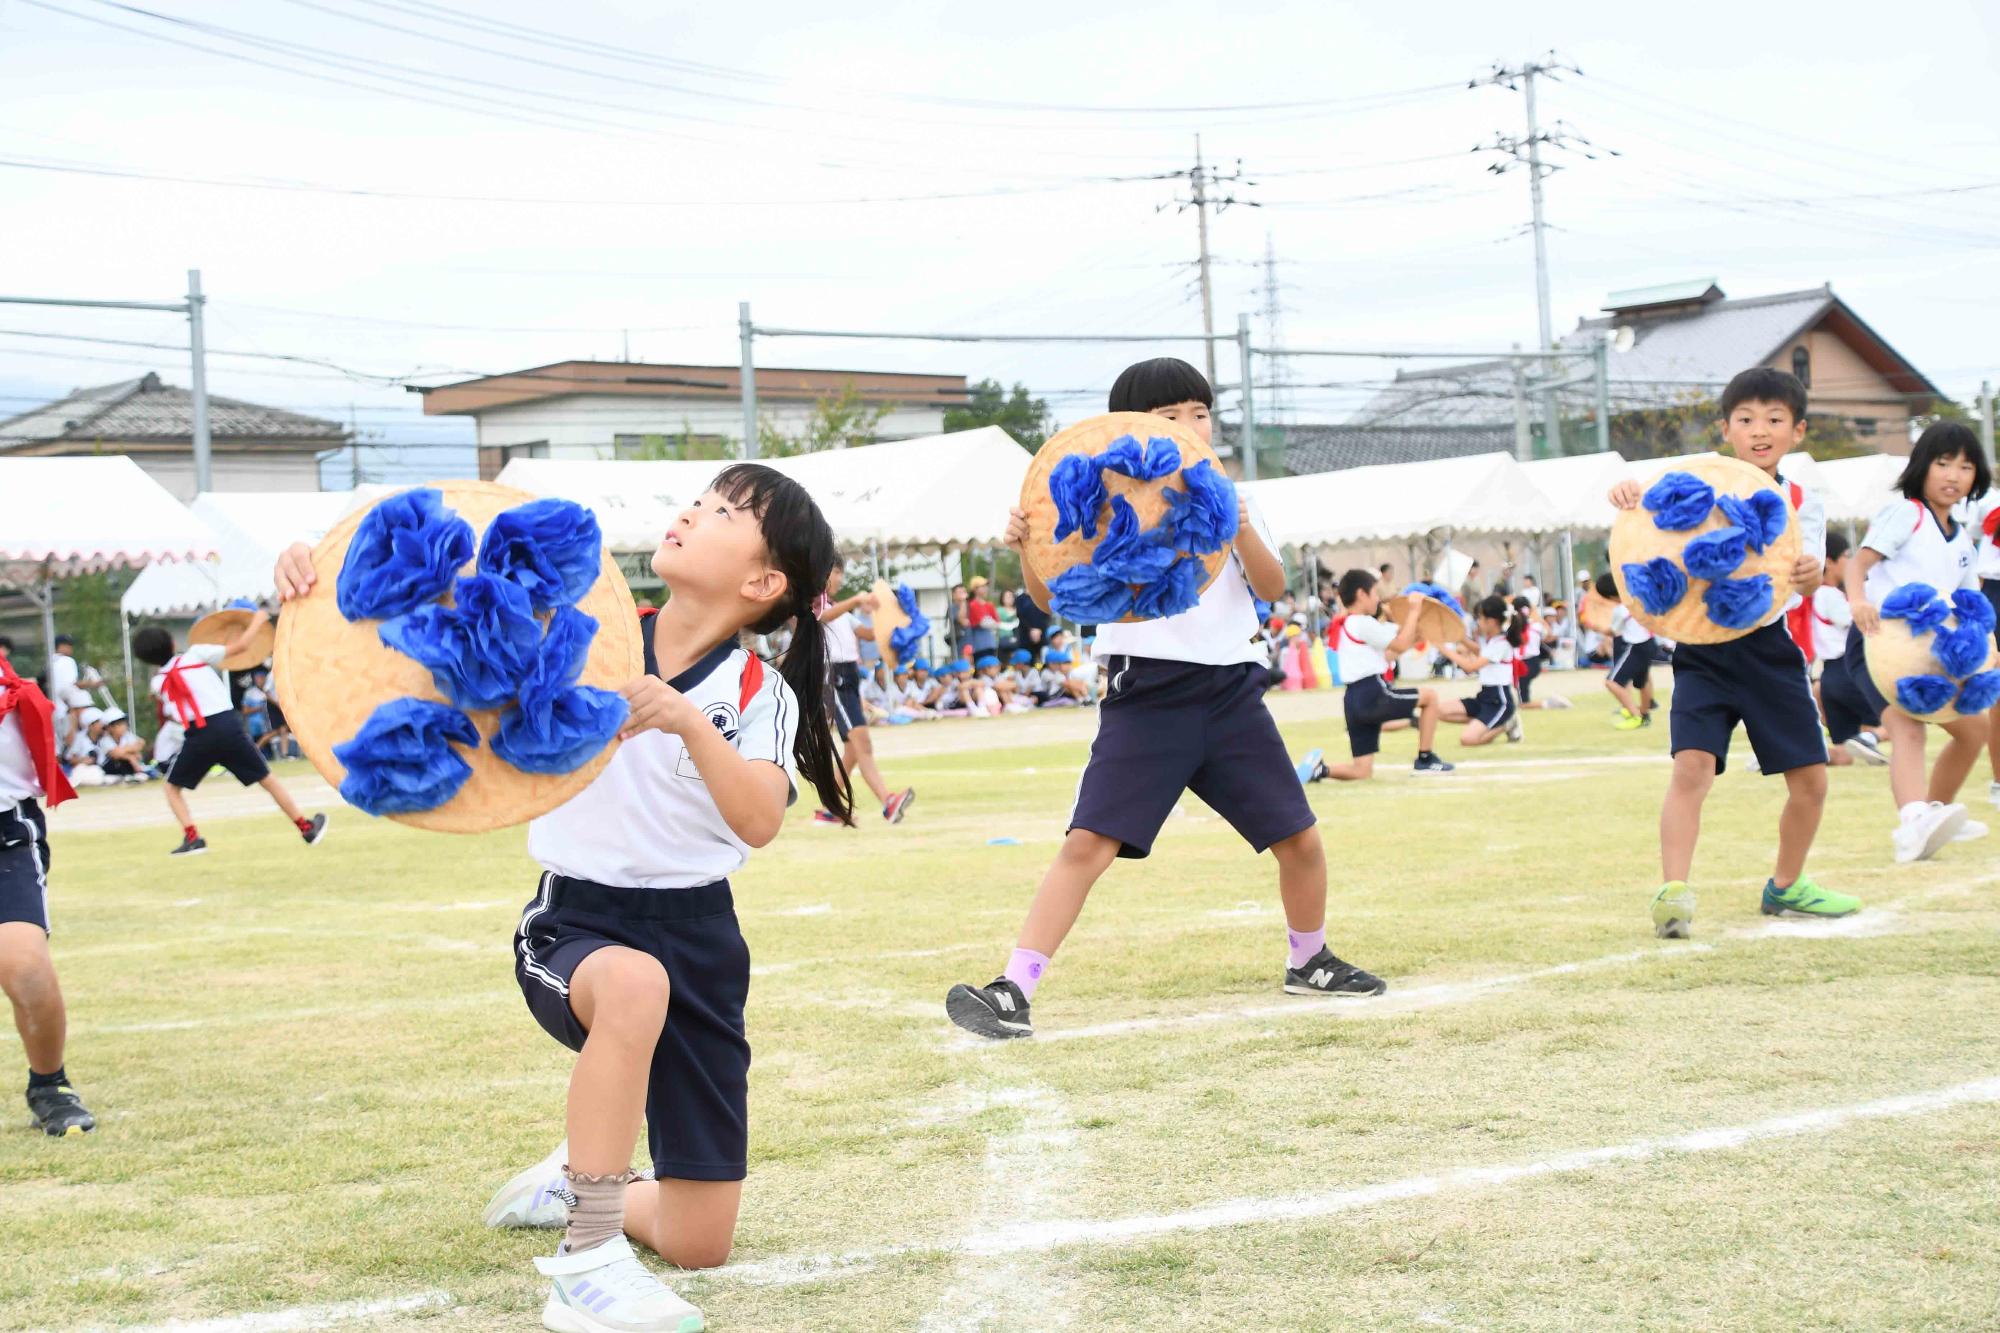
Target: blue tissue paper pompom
point(557, 724)
point(1173, 592)
point(1715, 555)
point(402, 761)
point(1762, 516)
point(1658, 584)
point(1972, 608)
point(1979, 693)
point(1679, 501)
point(479, 650)
point(1201, 519)
point(1924, 694)
point(1077, 486)
point(906, 639)
point(405, 552)
point(243, 604)
point(551, 548)
point(1738, 603)
point(1961, 651)
point(1156, 458)
point(1438, 591)
point(1089, 596)
point(1128, 554)
point(1917, 603)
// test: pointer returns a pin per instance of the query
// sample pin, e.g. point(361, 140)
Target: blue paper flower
point(1917, 603)
point(1089, 596)
point(551, 548)
point(905, 639)
point(1658, 584)
point(1173, 592)
point(405, 552)
point(1738, 603)
point(402, 761)
point(1979, 693)
point(1679, 501)
point(1438, 591)
point(479, 650)
point(1762, 516)
point(1157, 457)
point(557, 724)
point(1921, 695)
point(1972, 608)
point(1961, 651)
point(1715, 555)
point(1077, 486)
point(1128, 554)
point(1202, 518)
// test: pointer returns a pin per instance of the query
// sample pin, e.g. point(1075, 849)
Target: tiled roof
point(1322, 448)
point(148, 409)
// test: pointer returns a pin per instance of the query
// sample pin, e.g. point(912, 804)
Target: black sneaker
point(998, 1011)
point(1327, 975)
point(1430, 763)
point(316, 832)
point(193, 846)
point(58, 1111)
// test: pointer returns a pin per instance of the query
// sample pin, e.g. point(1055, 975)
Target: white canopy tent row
point(251, 528)
point(60, 517)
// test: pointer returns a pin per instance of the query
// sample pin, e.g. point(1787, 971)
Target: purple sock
point(1024, 969)
point(1306, 944)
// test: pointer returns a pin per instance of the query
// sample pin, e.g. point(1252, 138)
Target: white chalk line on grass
point(1055, 1233)
point(293, 1319)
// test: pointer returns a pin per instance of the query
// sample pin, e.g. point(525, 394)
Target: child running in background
point(1493, 711)
point(1631, 678)
point(1534, 655)
point(1917, 539)
point(843, 652)
point(1758, 680)
point(1986, 532)
point(1183, 711)
point(1830, 618)
point(1364, 649)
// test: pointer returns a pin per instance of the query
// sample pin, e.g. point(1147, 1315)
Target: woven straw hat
point(1047, 557)
point(223, 626)
point(1635, 539)
point(1895, 653)
point(1436, 623)
point(332, 673)
point(889, 618)
point(1594, 613)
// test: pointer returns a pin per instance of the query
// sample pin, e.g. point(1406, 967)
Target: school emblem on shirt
point(725, 717)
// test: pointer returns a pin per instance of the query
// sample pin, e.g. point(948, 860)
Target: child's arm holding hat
point(1260, 563)
point(750, 793)
point(1406, 632)
point(1017, 537)
point(1626, 495)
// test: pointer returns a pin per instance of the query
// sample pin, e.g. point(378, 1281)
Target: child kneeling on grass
point(1494, 711)
point(1364, 648)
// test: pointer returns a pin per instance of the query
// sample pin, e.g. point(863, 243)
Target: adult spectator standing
point(1385, 574)
point(961, 619)
point(1010, 622)
point(1469, 591)
point(65, 692)
point(1531, 591)
point(982, 618)
point(1034, 624)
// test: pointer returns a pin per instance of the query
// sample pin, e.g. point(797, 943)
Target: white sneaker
point(537, 1197)
point(1971, 830)
point(1557, 701)
point(1993, 793)
point(1514, 732)
point(1925, 828)
point(607, 1290)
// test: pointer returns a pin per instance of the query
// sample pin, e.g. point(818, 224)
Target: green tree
point(683, 444)
point(845, 420)
point(1025, 418)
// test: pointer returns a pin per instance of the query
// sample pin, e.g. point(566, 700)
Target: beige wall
point(1845, 386)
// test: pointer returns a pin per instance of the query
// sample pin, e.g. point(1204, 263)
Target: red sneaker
point(898, 805)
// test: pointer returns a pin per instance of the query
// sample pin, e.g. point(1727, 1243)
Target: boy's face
point(1760, 433)
point(1836, 569)
point(1191, 415)
point(1367, 601)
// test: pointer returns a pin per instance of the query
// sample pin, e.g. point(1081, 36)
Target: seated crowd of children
point(984, 686)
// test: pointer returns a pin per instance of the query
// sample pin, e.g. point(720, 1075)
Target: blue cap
point(986, 661)
point(963, 668)
point(1057, 657)
point(1020, 657)
point(920, 665)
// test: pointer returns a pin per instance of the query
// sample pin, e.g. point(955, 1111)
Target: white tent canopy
point(1856, 489)
point(1486, 493)
point(62, 516)
point(936, 492)
point(250, 527)
point(1577, 485)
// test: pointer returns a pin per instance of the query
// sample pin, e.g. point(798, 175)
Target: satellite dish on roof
point(1623, 339)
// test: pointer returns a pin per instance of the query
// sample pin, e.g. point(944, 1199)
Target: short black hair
point(6, 645)
point(1161, 382)
point(153, 645)
point(1353, 583)
point(1836, 546)
point(1607, 586)
point(65, 640)
point(1762, 384)
point(1945, 439)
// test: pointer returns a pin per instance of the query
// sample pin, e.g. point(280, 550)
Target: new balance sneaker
point(1673, 911)
point(315, 832)
point(1325, 974)
point(59, 1112)
point(1628, 722)
point(1514, 731)
point(826, 817)
point(1868, 750)
point(1311, 768)
point(190, 847)
point(1430, 763)
point(1805, 898)
point(1924, 829)
point(899, 805)
point(607, 1290)
point(1971, 830)
point(998, 1011)
point(537, 1197)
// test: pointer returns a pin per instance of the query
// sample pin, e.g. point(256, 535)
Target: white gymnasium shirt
point(1627, 626)
point(1218, 630)
point(1812, 531)
point(841, 643)
point(648, 821)
point(1915, 549)
point(1496, 661)
point(18, 781)
point(210, 690)
point(1830, 618)
point(1360, 647)
point(1532, 648)
point(1979, 513)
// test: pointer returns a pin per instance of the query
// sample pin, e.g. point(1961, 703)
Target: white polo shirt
point(1830, 618)
point(842, 645)
point(18, 779)
point(200, 668)
point(1916, 549)
point(1496, 661)
point(648, 821)
point(1627, 626)
point(1361, 646)
point(1218, 630)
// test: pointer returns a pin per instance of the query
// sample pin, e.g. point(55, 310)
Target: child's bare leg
point(689, 1223)
point(1680, 813)
point(1358, 769)
point(1427, 719)
point(1955, 760)
point(1646, 695)
point(1452, 709)
point(1805, 800)
point(1302, 879)
point(860, 757)
point(620, 997)
point(28, 976)
point(1623, 694)
point(1993, 742)
point(1906, 756)
point(1084, 857)
point(1476, 734)
point(177, 802)
point(277, 791)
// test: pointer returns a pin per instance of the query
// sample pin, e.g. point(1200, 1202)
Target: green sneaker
point(1673, 911)
point(1806, 898)
point(1628, 722)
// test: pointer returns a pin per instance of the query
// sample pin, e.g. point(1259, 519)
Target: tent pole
point(125, 633)
point(47, 601)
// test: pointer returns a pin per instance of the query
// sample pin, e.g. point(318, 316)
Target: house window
point(1802, 365)
point(1864, 425)
point(533, 449)
point(493, 457)
point(680, 445)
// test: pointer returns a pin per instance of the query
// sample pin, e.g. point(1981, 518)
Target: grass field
point(312, 1068)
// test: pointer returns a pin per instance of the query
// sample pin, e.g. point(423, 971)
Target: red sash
point(180, 694)
point(24, 700)
point(1798, 620)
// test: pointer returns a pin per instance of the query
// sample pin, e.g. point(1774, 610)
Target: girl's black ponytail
point(1494, 607)
point(801, 545)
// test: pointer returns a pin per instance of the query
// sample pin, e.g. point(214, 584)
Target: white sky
point(692, 189)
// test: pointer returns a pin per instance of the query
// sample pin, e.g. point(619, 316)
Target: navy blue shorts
point(1759, 680)
point(1848, 692)
point(1167, 727)
point(844, 698)
point(1370, 702)
point(1632, 664)
point(1493, 707)
point(24, 865)
point(697, 1120)
point(1991, 587)
point(220, 742)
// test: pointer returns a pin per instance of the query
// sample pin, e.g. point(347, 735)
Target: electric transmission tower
point(1203, 181)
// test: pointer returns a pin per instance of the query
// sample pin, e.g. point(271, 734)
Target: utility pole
point(353, 450)
point(748, 333)
point(1249, 449)
point(197, 350)
point(1201, 181)
point(1279, 402)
